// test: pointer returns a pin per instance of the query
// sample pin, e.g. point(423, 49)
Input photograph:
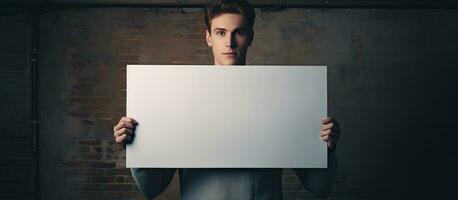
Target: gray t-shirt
point(233, 183)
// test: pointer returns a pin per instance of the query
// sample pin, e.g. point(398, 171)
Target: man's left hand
point(330, 132)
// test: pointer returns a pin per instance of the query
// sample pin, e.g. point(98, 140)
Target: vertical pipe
point(34, 98)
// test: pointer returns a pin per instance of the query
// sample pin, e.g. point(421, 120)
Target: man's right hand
point(124, 130)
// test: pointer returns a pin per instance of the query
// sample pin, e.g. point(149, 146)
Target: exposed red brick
point(86, 171)
point(77, 178)
point(103, 179)
point(78, 114)
point(200, 37)
point(125, 194)
point(129, 58)
point(98, 149)
point(90, 142)
point(89, 186)
point(103, 164)
point(125, 171)
point(129, 179)
point(77, 164)
point(110, 150)
point(91, 156)
point(131, 44)
point(126, 50)
point(118, 187)
point(94, 194)
point(135, 188)
point(119, 179)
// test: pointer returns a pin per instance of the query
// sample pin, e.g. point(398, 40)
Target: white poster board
point(202, 116)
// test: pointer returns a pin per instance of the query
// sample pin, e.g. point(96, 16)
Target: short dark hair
point(218, 7)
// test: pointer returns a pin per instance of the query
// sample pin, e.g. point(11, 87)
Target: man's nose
point(231, 41)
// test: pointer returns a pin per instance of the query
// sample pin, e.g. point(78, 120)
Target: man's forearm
point(152, 181)
point(320, 181)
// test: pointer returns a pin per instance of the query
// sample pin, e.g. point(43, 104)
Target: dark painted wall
point(17, 163)
point(391, 86)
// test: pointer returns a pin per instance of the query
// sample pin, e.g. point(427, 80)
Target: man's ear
point(208, 38)
point(251, 38)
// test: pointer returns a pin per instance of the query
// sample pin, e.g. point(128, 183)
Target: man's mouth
point(231, 54)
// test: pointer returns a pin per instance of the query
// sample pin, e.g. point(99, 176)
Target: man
point(229, 33)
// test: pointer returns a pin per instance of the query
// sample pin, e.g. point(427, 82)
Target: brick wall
point(390, 76)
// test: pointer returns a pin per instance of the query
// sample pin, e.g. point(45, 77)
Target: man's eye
point(220, 33)
point(241, 33)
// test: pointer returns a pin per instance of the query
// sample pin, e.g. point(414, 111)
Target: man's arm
point(152, 181)
point(319, 181)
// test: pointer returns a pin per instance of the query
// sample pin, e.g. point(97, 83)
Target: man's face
point(229, 39)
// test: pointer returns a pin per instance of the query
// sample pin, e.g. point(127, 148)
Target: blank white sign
point(202, 116)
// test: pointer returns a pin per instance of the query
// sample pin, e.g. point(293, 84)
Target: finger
point(327, 126)
point(126, 124)
point(121, 139)
point(325, 138)
point(122, 123)
point(326, 132)
point(128, 131)
point(128, 138)
point(123, 131)
point(118, 133)
point(129, 120)
point(326, 120)
point(117, 126)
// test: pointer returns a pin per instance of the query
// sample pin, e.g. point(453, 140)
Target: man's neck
point(217, 64)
